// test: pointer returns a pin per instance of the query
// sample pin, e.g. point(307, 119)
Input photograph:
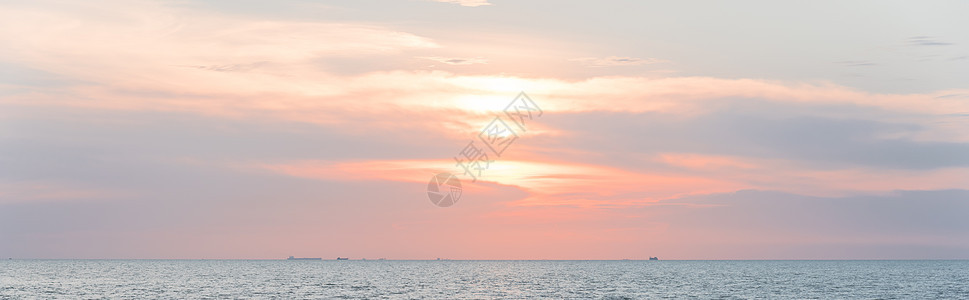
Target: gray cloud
point(926, 41)
point(820, 136)
point(471, 3)
point(104, 148)
point(457, 60)
point(856, 63)
point(612, 61)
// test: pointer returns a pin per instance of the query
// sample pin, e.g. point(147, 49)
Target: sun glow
point(482, 105)
point(497, 85)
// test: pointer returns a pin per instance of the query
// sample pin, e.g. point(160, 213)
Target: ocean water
point(389, 279)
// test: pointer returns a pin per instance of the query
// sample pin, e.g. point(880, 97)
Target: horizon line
point(538, 259)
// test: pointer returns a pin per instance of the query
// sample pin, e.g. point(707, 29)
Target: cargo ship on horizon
point(304, 258)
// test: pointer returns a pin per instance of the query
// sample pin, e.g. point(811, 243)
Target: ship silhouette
point(304, 258)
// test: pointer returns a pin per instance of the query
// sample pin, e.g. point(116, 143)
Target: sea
point(460, 279)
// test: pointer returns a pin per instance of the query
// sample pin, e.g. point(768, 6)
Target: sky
point(677, 129)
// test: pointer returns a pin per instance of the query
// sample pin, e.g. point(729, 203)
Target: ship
point(653, 258)
point(304, 258)
point(342, 258)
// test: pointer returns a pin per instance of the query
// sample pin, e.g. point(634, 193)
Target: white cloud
point(125, 41)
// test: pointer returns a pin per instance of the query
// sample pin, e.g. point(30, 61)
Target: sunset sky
point(678, 129)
